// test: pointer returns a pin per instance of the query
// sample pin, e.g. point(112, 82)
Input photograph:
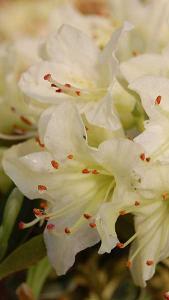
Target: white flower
point(74, 179)
point(154, 93)
point(17, 116)
point(76, 70)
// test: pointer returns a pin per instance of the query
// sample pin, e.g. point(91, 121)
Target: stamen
point(25, 120)
point(165, 196)
point(67, 230)
point(129, 264)
point(39, 142)
point(95, 172)
point(50, 226)
point(53, 85)
point(59, 90)
point(149, 262)
point(87, 216)
point(55, 164)
point(38, 212)
point(120, 245)
point(148, 159)
point(13, 109)
point(142, 156)
point(70, 156)
point(68, 85)
point(42, 188)
point(158, 100)
point(85, 171)
point(47, 77)
point(78, 93)
point(92, 225)
point(137, 203)
point(21, 225)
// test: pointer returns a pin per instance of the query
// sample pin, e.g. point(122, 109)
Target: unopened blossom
point(154, 94)
point(76, 70)
point(74, 178)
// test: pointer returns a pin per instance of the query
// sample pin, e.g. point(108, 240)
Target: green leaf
point(24, 256)
point(12, 209)
point(37, 275)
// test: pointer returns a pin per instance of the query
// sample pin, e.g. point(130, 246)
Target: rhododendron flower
point(74, 178)
point(154, 93)
point(76, 70)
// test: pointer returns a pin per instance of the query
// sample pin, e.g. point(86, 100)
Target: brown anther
point(129, 264)
point(70, 156)
point(26, 121)
point(142, 156)
point(137, 203)
point(85, 171)
point(87, 216)
point(47, 77)
point(95, 172)
point(50, 226)
point(86, 128)
point(38, 212)
point(148, 159)
point(39, 142)
point(21, 225)
point(135, 53)
point(53, 85)
point(78, 93)
point(149, 262)
point(42, 188)
point(58, 90)
point(43, 204)
point(122, 212)
point(165, 196)
point(68, 85)
point(55, 164)
point(158, 100)
point(120, 245)
point(67, 230)
point(13, 109)
point(92, 225)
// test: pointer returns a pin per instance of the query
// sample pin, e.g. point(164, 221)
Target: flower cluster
point(91, 99)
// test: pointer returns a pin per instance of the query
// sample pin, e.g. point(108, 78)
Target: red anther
point(37, 212)
point(42, 188)
point(165, 196)
point(137, 203)
point(21, 225)
point(78, 93)
point(13, 109)
point(122, 212)
point(158, 100)
point(95, 172)
point(87, 216)
point(120, 245)
point(70, 156)
point(55, 164)
point(58, 90)
point(92, 225)
point(26, 121)
point(67, 230)
point(166, 296)
point(148, 159)
point(53, 85)
point(142, 156)
point(129, 264)
point(47, 77)
point(149, 262)
point(85, 171)
point(68, 85)
point(50, 226)
point(43, 204)
point(39, 142)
